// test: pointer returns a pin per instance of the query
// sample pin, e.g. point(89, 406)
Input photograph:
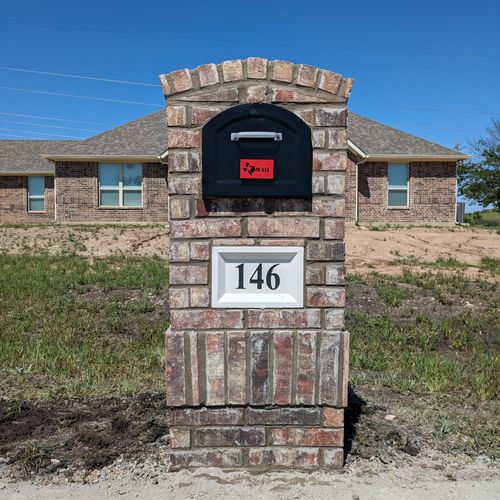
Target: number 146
point(272, 279)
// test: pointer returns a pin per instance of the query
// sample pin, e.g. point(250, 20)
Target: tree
point(479, 178)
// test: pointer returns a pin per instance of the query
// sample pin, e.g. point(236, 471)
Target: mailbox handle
point(236, 136)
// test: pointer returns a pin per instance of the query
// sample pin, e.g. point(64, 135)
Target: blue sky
point(429, 68)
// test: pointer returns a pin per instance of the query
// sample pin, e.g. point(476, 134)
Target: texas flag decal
point(256, 169)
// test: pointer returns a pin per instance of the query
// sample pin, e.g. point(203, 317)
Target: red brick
point(179, 208)
point(315, 275)
point(284, 416)
point(303, 436)
point(229, 436)
point(181, 138)
point(343, 396)
point(180, 437)
point(325, 250)
point(180, 80)
point(205, 228)
point(283, 227)
point(256, 67)
point(282, 71)
point(206, 319)
point(195, 368)
point(200, 250)
point(206, 416)
point(283, 343)
point(306, 367)
point(304, 458)
point(227, 457)
point(318, 184)
point(332, 458)
point(284, 318)
point(337, 138)
point(232, 70)
point(334, 319)
point(327, 207)
point(201, 114)
point(216, 95)
point(335, 274)
point(199, 296)
point(188, 275)
point(335, 184)
point(178, 298)
point(167, 90)
point(259, 359)
point(256, 93)
point(214, 344)
point(333, 417)
point(334, 229)
point(329, 81)
point(307, 75)
point(236, 368)
point(345, 87)
point(329, 161)
point(287, 95)
point(208, 75)
point(178, 161)
point(329, 368)
point(330, 117)
point(174, 368)
point(176, 116)
point(318, 138)
point(240, 242)
point(179, 251)
point(325, 297)
point(305, 114)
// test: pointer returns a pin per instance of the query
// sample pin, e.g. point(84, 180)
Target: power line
point(53, 118)
point(60, 94)
point(252, 42)
point(39, 133)
point(48, 126)
point(65, 75)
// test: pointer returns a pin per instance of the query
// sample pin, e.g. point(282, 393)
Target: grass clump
point(70, 327)
point(390, 293)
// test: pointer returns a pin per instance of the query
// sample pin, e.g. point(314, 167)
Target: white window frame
point(407, 189)
point(121, 188)
point(35, 196)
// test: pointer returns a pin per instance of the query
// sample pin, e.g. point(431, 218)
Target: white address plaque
point(246, 277)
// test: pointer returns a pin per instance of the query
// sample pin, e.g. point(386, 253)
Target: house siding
point(78, 195)
point(14, 201)
point(431, 197)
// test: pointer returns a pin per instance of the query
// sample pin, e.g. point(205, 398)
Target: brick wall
point(78, 195)
point(256, 387)
point(14, 201)
point(431, 195)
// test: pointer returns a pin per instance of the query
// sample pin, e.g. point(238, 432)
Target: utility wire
point(39, 133)
point(60, 94)
point(65, 75)
point(252, 42)
point(49, 126)
point(53, 118)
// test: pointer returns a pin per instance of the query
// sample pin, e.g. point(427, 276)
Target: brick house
point(121, 176)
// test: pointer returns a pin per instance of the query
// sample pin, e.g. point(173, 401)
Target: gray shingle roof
point(146, 136)
point(25, 156)
point(377, 139)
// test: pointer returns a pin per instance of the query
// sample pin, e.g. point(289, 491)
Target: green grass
point(485, 218)
point(69, 327)
point(390, 293)
point(490, 264)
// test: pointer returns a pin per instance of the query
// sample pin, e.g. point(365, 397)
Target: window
point(397, 185)
point(36, 194)
point(120, 185)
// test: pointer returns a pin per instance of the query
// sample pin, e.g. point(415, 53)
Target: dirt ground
point(366, 249)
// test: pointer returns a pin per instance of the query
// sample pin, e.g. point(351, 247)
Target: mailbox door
point(257, 150)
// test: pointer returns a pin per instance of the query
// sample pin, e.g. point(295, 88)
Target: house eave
point(103, 158)
point(26, 173)
point(413, 157)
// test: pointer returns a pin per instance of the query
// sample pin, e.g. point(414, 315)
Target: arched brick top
point(298, 83)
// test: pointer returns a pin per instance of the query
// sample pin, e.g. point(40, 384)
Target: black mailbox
point(257, 150)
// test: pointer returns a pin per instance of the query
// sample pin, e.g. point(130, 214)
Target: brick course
point(258, 377)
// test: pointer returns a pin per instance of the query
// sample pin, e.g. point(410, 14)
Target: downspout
point(356, 208)
point(456, 193)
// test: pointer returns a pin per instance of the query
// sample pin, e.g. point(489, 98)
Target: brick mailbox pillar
point(256, 386)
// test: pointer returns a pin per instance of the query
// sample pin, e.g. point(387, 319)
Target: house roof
point(377, 140)
point(144, 138)
point(25, 156)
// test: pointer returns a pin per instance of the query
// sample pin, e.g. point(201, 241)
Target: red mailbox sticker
point(256, 169)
